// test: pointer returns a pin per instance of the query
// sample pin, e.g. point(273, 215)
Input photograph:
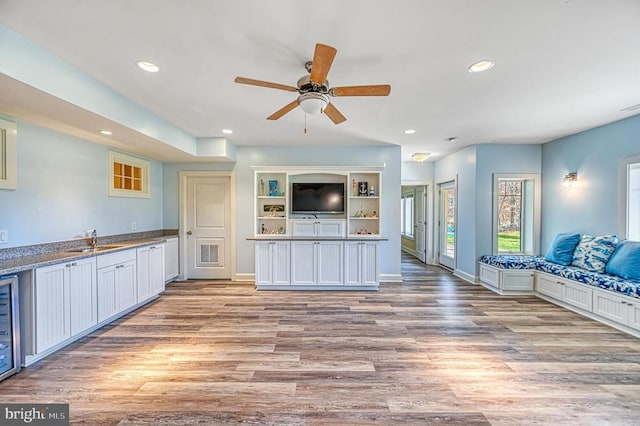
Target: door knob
point(189, 232)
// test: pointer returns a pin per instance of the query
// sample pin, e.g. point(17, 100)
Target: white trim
point(8, 155)
point(318, 169)
point(390, 278)
point(245, 276)
point(623, 224)
point(182, 216)
point(143, 164)
point(472, 279)
point(537, 197)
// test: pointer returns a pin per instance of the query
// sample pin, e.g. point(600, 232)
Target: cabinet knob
point(189, 233)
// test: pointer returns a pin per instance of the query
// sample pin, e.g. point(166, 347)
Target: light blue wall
point(66, 82)
point(494, 158)
point(593, 206)
point(414, 173)
point(462, 165)
point(62, 191)
point(474, 167)
point(248, 156)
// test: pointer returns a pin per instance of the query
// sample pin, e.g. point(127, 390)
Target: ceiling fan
point(314, 90)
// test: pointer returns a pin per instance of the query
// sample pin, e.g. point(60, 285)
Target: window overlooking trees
point(406, 210)
point(516, 214)
point(510, 215)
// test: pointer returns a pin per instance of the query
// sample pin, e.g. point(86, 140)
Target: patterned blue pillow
point(593, 253)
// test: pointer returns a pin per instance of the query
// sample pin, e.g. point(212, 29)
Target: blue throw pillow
point(561, 249)
point(625, 261)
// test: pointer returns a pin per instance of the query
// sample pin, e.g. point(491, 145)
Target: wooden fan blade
point(333, 113)
point(322, 60)
point(374, 90)
point(261, 83)
point(282, 111)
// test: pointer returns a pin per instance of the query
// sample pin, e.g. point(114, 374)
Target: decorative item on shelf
point(375, 213)
point(354, 187)
point(273, 210)
point(363, 189)
point(263, 230)
point(281, 230)
point(372, 192)
point(262, 192)
point(273, 188)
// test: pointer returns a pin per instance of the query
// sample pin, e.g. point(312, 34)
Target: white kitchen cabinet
point(318, 227)
point(150, 271)
point(116, 283)
point(317, 262)
point(361, 263)
point(171, 259)
point(64, 302)
point(272, 262)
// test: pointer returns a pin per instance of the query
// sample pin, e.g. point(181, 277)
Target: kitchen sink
point(90, 250)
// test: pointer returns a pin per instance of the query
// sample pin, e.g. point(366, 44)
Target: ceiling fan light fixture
point(313, 103)
point(420, 156)
point(483, 65)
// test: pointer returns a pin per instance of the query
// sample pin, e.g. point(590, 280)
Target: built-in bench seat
point(601, 296)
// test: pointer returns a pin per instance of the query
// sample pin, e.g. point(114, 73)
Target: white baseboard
point(245, 276)
point(390, 278)
point(467, 277)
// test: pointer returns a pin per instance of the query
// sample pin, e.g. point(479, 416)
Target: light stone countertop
point(18, 264)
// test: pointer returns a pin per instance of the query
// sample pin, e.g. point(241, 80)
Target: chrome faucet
point(94, 238)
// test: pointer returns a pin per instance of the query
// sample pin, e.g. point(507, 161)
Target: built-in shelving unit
point(271, 203)
point(364, 204)
point(317, 251)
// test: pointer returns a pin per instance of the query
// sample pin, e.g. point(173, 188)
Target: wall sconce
point(570, 179)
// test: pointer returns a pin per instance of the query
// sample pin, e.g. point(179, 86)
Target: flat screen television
point(311, 198)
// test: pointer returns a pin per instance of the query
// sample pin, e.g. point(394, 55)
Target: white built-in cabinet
point(317, 262)
point(64, 302)
point(361, 263)
point(272, 263)
point(171, 259)
point(116, 283)
point(150, 271)
point(566, 291)
point(316, 251)
point(620, 309)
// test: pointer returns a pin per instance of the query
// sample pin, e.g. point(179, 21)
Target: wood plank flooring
point(431, 350)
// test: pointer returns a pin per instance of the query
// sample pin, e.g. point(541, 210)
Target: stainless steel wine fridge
point(9, 327)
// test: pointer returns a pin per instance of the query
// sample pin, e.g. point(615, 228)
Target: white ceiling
point(561, 66)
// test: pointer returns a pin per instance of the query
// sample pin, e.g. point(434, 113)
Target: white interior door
point(447, 229)
point(208, 230)
point(421, 222)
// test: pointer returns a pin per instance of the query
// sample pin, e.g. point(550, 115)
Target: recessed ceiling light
point(409, 131)
point(148, 66)
point(106, 132)
point(227, 131)
point(480, 66)
point(452, 139)
point(420, 156)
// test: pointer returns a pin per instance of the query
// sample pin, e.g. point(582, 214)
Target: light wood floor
point(432, 350)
